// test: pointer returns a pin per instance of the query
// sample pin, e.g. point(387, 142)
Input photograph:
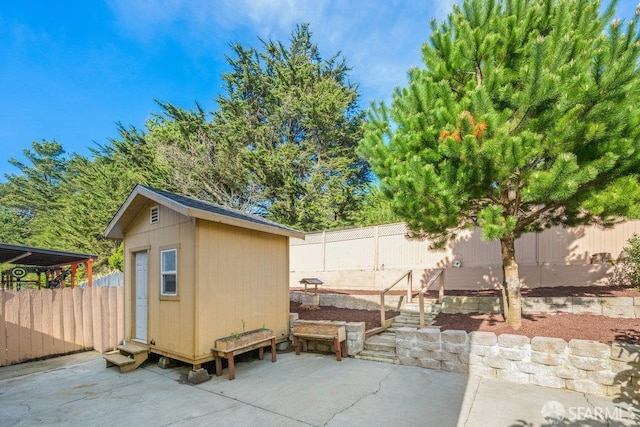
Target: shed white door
point(141, 297)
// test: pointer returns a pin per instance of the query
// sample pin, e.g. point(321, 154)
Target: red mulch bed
point(565, 326)
point(561, 325)
point(370, 317)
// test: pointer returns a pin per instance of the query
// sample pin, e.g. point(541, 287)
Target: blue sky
point(71, 69)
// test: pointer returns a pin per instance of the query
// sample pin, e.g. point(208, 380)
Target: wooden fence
point(36, 324)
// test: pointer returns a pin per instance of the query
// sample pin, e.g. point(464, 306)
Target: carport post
point(74, 267)
point(90, 272)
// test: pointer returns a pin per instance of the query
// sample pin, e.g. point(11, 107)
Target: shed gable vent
point(155, 214)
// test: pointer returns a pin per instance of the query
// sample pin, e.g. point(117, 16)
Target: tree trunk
point(511, 283)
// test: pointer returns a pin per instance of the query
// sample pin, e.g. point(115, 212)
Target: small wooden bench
point(322, 332)
point(231, 352)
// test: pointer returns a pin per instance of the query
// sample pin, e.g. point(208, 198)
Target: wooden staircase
point(128, 357)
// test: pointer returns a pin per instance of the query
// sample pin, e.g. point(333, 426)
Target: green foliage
point(631, 259)
point(117, 259)
point(29, 198)
point(14, 226)
point(376, 209)
point(295, 116)
point(282, 144)
point(524, 116)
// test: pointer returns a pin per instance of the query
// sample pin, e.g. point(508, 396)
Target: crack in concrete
point(475, 393)
point(93, 395)
point(221, 394)
point(361, 398)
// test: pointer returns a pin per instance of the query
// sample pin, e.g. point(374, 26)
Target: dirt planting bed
point(566, 326)
point(561, 325)
point(370, 317)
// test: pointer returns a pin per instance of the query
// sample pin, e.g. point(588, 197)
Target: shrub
point(630, 257)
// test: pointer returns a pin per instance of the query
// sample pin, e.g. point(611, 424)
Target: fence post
point(421, 304)
point(376, 247)
point(410, 286)
point(441, 289)
point(382, 310)
point(324, 251)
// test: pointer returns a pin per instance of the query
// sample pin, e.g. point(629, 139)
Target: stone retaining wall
point(458, 304)
point(354, 302)
point(623, 307)
point(355, 335)
point(580, 365)
point(626, 307)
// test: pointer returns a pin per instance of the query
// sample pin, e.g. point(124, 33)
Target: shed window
point(154, 215)
point(169, 272)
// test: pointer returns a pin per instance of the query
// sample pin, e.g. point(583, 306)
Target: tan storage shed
point(195, 272)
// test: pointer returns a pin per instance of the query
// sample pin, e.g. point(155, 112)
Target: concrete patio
point(309, 389)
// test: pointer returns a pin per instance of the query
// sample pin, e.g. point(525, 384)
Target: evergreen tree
point(14, 226)
point(199, 164)
point(296, 115)
point(524, 116)
point(28, 198)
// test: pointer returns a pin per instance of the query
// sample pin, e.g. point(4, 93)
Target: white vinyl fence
point(556, 254)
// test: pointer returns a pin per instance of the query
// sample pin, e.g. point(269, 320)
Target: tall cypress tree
point(296, 117)
point(525, 116)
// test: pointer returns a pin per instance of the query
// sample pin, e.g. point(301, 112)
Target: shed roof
point(192, 208)
point(40, 257)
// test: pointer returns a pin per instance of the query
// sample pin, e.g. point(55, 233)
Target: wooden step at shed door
point(128, 357)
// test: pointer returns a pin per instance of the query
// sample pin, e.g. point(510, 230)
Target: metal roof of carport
point(39, 257)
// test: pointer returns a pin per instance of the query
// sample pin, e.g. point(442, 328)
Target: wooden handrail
point(409, 276)
point(425, 289)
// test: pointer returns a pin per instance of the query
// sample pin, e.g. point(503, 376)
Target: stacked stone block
point(623, 307)
point(352, 302)
point(433, 349)
point(460, 304)
point(581, 365)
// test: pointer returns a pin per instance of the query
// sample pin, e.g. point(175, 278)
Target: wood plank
point(239, 350)
point(113, 318)
point(78, 340)
point(97, 319)
point(133, 348)
point(12, 304)
point(36, 328)
point(87, 318)
point(57, 321)
point(69, 328)
point(104, 302)
point(47, 322)
point(119, 315)
point(25, 324)
point(319, 330)
point(3, 331)
point(118, 359)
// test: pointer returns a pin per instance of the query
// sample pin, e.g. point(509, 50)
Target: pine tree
point(28, 198)
point(525, 116)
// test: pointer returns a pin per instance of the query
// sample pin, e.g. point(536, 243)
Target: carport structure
point(56, 266)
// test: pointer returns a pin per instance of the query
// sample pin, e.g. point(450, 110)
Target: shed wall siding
point(243, 278)
point(170, 320)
